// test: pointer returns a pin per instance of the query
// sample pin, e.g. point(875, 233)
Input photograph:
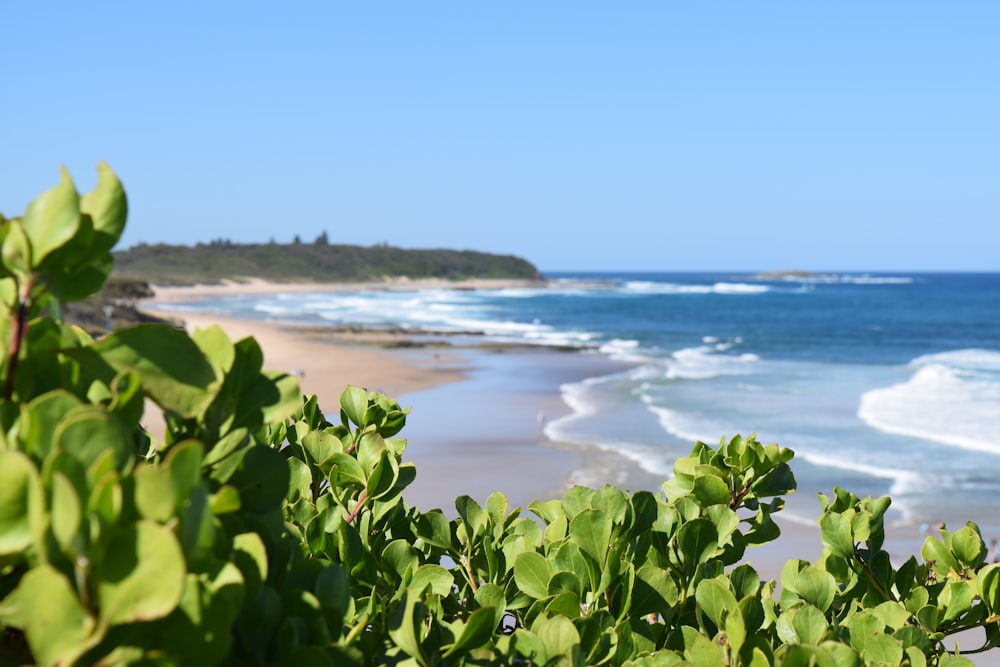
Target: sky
point(653, 136)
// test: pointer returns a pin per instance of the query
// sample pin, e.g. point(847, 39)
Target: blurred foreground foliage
point(257, 532)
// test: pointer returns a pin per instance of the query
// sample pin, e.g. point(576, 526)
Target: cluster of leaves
point(257, 532)
point(316, 261)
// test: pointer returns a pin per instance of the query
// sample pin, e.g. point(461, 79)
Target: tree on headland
point(322, 239)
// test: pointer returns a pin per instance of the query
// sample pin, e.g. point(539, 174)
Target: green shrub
point(259, 533)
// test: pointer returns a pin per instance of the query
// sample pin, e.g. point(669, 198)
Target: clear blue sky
point(580, 135)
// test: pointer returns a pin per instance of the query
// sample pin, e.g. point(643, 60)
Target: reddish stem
point(357, 507)
point(20, 329)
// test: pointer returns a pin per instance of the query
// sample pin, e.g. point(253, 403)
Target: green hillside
point(297, 262)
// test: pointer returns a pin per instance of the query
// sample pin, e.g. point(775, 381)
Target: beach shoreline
point(251, 286)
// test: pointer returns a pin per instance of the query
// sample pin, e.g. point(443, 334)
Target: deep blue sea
point(881, 383)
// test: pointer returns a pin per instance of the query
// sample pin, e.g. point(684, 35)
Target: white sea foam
point(685, 427)
point(739, 288)
point(969, 360)
point(651, 287)
point(703, 363)
point(953, 398)
point(428, 310)
point(622, 350)
point(903, 481)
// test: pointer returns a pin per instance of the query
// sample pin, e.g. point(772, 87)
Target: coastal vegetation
point(319, 261)
point(266, 530)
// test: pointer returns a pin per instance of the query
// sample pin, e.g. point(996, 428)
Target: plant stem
point(467, 564)
point(870, 576)
point(20, 329)
point(357, 507)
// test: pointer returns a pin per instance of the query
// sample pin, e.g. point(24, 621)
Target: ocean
point(884, 384)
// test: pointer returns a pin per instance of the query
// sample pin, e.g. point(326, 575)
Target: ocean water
point(882, 384)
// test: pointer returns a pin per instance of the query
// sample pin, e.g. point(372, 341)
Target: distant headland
point(318, 261)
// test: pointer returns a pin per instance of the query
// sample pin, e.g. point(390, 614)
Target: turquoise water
point(883, 384)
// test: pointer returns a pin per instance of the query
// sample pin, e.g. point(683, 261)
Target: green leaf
point(382, 480)
point(559, 636)
point(957, 598)
point(225, 500)
point(66, 513)
point(882, 649)
point(710, 490)
point(345, 468)
point(80, 282)
point(250, 556)
point(934, 551)
point(87, 431)
point(174, 372)
point(893, 614)
point(836, 533)
point(745, 581)
point(968, 546)
point(532, 573)
point(300, 480)
point(864, 625)
point(154, 493)
point(141, 576)
point(354, 403)
point(816, 586)
point(490, 596)
point(108, 208)
point(472, 515)
point(697, 540)
point(319, 446)
point(591, 529)
point(405, 627)
point(715, 599)
point(736, 629)
point(262, 479)
point(16, 250)
point(127, 398)
point(434, 576)
point(21, 499)
point(399, 558)
point(477, 631)
point(56, 625)
point(271, 397)
point(496, 507)
point(434, 529)
point(654, 591)
point(810, 624)
point(702, 651)
point(988, 584)
point(52, 219)
point(564, 581)
point(566, 603)
point(612, 501)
